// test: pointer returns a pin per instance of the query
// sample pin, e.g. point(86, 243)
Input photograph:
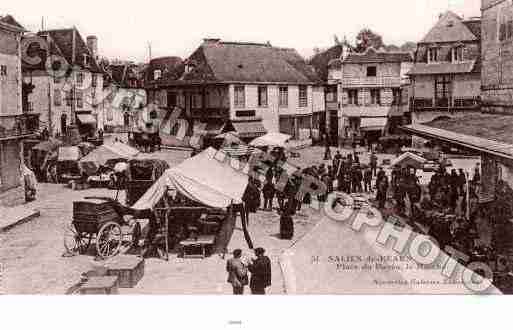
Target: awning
point(209, 178)
point(249, 129)
point(86, 119)
point(468, 141)
point(373, 111)
point(373, 124)
point(271, 140)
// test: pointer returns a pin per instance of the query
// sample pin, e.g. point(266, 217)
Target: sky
point(177, 27)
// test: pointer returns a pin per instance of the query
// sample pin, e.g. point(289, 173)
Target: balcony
point(371, 82)
point(450, 104)
point(17, 126)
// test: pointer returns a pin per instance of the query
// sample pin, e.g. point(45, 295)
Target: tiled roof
point(442, 68)
point(120, 74)
point(63, 39)
point(488, 133)
point(450, 28)
point(172, 68)
point(474, 25)
point(217, 61)
point(9, 20)
point(373, 56)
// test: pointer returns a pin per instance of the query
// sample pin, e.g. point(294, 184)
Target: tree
point(367, 38)
point(409, 46)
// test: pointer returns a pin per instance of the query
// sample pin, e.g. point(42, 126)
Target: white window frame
point(455, 53)
point(157, 74)
point(260, 91)
point(436, 51)
point(283, 96)
point(239, 96)
point(303, 99)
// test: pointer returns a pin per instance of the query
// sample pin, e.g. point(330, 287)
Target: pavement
point(13, 216)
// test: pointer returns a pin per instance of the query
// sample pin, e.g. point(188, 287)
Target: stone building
point(446, 75)
point(15, 124)
point(497, 54)
point(124, 85)
point(370, 93)
point(248, 87)
point(58, 90)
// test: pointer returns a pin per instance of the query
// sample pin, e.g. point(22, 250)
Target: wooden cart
point(98, 219)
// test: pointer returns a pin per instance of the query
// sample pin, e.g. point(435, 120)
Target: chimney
point(210, 41)
point(92, 44)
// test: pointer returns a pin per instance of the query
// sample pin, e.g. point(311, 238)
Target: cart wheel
point(109, 239)
point(76, 242)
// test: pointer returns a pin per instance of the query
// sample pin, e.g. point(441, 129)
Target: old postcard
point(265, 148)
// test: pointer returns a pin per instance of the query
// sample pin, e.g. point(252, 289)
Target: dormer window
point(433, 55)
point(157, 74)
point(457, 54)
point(189, 67)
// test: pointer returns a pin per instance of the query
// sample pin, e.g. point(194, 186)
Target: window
point(157, 74)
point(457, 54)
point(57, 97)
point(67, 95)
point(172, 99)
point(80, 99)
point(303, 96)
point(94, 80)
point(442, 91)
point(375, 96)
point(262, 96)
point(331, 94)
point(80, 78)
point(284, 97)
point(432, 55)
point(3, 70)
point(352, 96)
point(397, 96)
point(239, 97)
point(245, 113)
point(197, 101)
point(56, 78)
point(372, 71)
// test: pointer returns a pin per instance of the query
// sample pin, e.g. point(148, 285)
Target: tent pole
point(244, 226)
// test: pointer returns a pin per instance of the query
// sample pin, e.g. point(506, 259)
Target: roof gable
point(449, 28)
point(63, 40)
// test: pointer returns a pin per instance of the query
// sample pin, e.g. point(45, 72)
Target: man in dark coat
point(251, 199)
point(381, 196)
point(367, 179)
point(260, 270)
point(373, 163)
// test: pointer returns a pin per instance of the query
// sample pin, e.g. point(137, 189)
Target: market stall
point(210, 189)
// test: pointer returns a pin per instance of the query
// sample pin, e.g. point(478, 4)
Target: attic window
point(86, 60)
point(457, 54)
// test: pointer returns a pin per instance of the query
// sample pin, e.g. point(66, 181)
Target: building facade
point(63, 96)
point(370, 93)
point(126, 96)
point(446, 76)
point(15, 125)
point(497, 54)
point(247, 87)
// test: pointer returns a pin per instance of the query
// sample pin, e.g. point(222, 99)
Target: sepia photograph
point(275, 148)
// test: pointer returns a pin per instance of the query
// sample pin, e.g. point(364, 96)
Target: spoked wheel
point(109, 239)
point(75, 242)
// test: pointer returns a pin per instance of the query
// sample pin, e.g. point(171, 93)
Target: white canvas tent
point(271, 140)
point(104, 153)
point(409, 159)
point(207, 178)
point(397, 273)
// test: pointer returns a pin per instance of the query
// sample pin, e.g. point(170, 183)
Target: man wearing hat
point(260, 270)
